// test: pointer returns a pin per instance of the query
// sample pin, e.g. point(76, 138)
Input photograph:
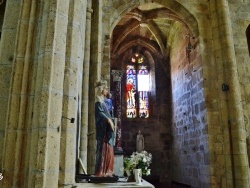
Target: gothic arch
point(177, 8)
point(139, 42)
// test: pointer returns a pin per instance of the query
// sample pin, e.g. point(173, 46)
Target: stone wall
point(190, 155)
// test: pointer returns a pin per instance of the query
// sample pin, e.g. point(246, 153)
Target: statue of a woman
point(139, 142)
point(104, 134)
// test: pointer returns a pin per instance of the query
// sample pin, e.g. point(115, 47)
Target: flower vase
point(138, 176)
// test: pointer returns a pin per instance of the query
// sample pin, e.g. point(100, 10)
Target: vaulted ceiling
point(147, 26)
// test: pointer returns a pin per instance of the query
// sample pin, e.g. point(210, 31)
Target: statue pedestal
point(118, 162)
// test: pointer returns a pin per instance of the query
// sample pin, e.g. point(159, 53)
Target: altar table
point(118, 184)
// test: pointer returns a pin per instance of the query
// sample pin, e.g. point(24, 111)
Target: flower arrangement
point(138, 161)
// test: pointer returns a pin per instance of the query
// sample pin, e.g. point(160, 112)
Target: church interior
point(178, 72)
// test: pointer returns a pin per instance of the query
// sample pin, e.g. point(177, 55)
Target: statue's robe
point(105, 141)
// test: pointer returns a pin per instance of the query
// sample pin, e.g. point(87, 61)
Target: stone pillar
point(117, 77)
point(7, 50)
point(240, 168)
point(72, 89)
point(20, 91)
point(95, 69)
point(45, 133)
point(85, 91)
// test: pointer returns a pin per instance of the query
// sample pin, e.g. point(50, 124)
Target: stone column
point(72, 89)
point(240, 168)
point(85, 91)
point(45, 133)
point(117, 77)
point(7, 50)
point(95, 69)
point(20, 91)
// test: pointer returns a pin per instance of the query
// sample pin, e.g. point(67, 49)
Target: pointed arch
point(173, 6)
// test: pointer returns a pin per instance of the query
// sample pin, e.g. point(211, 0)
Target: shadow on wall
point(248, 38)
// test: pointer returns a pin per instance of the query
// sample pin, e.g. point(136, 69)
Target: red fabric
point(129, 86)
point(107, 166)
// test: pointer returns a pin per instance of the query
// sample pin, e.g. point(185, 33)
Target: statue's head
point(101, 83)
point(100, 86)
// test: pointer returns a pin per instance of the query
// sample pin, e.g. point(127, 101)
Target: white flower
point(148, 172)
point(138, 160)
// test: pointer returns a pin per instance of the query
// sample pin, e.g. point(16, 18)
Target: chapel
point(178, 72)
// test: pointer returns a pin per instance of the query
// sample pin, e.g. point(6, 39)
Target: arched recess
point(248, 37)
point(133, 26)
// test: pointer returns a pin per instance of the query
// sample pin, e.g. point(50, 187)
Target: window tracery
point(137, 87)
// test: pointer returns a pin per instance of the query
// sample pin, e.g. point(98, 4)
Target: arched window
point(137, 87)
point(248, 38)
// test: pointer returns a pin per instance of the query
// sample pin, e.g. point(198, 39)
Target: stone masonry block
point(60, 38)
point(7, 45)
point(63, 7)
point(239, 147)
point(240, 160)
point(70, 104)
point(5, 72)
point(50, 33)
point(22, 42)
point(73, 42)
point(57, 76)
point(11, 14)
point(241, 172)
point(3, 112)
point(55, 109)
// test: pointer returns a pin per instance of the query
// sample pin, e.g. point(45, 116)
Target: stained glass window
point(137, 87)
